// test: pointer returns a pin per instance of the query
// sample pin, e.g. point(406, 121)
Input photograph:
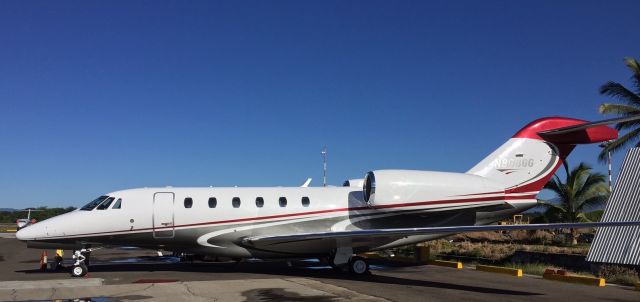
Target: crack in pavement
point(186, 286)
point(133, 291)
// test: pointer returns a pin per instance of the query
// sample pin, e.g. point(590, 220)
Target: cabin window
point(118, 204)
point(283, 201)
point(105, 205)
point(188, 202)
point(213, 202)
point(305, 201)
point(235, 202)
point(259, 202)
point(94, 203)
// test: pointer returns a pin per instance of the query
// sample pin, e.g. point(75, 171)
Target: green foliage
point(630, 106)
point(618, 274)
point(581, 192)
point(42, 214)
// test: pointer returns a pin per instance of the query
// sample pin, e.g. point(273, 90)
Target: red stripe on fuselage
point(246, 219)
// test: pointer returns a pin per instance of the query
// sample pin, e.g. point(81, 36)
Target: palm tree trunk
point(574, 237)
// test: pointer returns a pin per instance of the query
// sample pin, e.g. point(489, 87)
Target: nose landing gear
point(80, 268)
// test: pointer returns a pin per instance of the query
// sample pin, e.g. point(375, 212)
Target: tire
point(79, 270)
point(358, 266)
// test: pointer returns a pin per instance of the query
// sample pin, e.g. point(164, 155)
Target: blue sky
point(97, 96)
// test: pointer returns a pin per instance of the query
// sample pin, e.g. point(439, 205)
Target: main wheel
point(79, 270)
point(358, 266)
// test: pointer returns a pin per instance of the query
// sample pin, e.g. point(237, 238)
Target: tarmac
point(139, 275)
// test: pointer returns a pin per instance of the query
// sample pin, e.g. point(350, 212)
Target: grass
point(497, 251)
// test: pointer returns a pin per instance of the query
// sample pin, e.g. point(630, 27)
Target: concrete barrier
point(451, 264)
point(562, 276)
point(500, 270)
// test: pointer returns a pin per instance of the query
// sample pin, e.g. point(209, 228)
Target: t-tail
point(526, 162)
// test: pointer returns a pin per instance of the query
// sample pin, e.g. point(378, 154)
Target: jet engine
point(384, 188)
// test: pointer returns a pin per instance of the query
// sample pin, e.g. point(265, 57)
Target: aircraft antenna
point(324, 166)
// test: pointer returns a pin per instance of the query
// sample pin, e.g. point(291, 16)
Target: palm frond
point(619, 109)
point(618, 91)
point(576, 177)
point(556, 186)
point(593, 202)
point(582, 217)
point(635, 68)
point(620, 143)
point(628, 125)
point(550, 205)
point(592, 181)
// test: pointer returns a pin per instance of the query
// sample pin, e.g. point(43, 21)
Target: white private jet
point(393, 207)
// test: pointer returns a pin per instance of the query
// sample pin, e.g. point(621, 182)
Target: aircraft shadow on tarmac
point(281, 269)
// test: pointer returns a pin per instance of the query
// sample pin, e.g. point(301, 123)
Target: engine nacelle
point(389, 187)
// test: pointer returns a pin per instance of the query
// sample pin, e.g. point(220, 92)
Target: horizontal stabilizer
point(586, 133)
point(403, 232)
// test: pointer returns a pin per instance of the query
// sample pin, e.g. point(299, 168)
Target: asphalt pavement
point(137, 275)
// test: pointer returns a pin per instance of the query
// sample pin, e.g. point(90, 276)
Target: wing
point(387, 233)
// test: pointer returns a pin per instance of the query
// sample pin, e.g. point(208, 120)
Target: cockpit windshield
point(94, 203)
point(105, 205)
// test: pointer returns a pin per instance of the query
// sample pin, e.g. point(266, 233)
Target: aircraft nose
point(22, 234)
point(28, 233)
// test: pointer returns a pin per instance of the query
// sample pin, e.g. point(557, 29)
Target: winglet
point(306, 183)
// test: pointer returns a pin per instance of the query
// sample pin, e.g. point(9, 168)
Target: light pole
point(604, 145)
point(324, 166)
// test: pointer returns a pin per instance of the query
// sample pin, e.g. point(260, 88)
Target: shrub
point(618, 274)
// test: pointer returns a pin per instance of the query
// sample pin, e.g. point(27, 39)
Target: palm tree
point(582, 190)
point(630, 106)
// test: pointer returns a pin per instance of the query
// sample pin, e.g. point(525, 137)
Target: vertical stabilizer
point(526, 162)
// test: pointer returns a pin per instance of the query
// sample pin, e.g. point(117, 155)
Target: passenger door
point(163, 217)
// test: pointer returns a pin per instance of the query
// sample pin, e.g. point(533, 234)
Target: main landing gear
point(358, 266)
point(81, 258)
point(344, 260)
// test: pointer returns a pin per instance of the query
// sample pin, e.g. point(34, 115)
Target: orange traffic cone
point(43, 261)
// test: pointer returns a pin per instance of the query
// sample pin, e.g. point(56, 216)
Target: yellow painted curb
point(500, 270)
point(576, 279)
point(452, 264)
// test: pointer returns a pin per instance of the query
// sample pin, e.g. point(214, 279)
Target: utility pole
point(324, 166)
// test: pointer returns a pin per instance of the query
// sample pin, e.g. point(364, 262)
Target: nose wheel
point(81, 258)
point(79, 270)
